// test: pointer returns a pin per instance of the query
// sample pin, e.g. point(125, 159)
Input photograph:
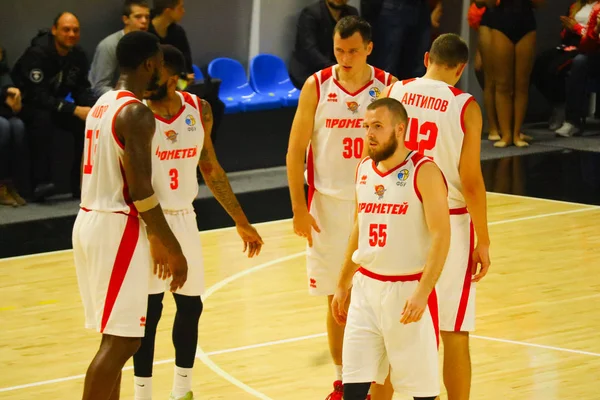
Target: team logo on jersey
point(171, 135)
point(190, 122)
point(380, 191)
point(363, 180)
point(352, 106)
point(332, 98)
point(374, 92)
point(402, 177)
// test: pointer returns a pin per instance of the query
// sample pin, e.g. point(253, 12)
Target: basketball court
point(262, 336)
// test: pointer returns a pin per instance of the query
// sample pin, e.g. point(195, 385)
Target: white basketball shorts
point(185, 228)
point(325, 258)
point(456, 292)
point(112, 259)
point(375, 341)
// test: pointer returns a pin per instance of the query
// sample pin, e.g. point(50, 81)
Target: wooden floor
point(262, 336)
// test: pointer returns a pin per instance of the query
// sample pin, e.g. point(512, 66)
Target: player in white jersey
point(395, 255)
point(329, 118)
point(110, 246)
point(181, 144)
point(445, 124)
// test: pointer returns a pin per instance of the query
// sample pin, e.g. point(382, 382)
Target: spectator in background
point(104, 71)
point(402, 34)
point(314, 38)
point(12, 136)
point(165, 16)
point(561, 74)
point(51, 68)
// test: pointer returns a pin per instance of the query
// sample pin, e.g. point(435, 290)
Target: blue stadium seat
point(269, 76)
point(236, 89)
point(197, 73)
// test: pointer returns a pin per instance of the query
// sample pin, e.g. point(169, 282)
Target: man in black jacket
point(51, 68)
point(314, 38)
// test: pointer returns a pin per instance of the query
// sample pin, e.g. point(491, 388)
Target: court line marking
point(203, 356)
point(542, 199)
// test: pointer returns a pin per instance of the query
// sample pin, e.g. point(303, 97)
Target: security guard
point(51, 68)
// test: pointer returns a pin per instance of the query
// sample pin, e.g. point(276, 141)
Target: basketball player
point(395, 255)
point(181, 144)
point(445, 124)
point(110, 247)
point(329, 118)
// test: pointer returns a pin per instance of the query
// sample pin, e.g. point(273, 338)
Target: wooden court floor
point(262, 336)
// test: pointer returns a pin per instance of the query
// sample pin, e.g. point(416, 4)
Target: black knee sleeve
point(356, 391)
point(425, 398)
point(144, 357)
point(185, 329)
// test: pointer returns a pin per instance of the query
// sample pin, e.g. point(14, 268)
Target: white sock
point(338, 372)
point(142, 388)
point(182, 382)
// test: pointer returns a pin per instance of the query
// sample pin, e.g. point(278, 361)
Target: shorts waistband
point(390, 278)
point(459, 211)
point(108, 212)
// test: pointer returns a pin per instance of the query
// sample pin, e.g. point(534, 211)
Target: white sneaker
point(567, 130)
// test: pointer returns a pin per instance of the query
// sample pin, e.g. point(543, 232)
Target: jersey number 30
point(353, 147)
point(421, 136)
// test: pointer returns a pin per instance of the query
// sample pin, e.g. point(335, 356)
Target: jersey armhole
point(114, 122)
point(318, 85)
point(358, 168)
point(463, 112)
point(199, 103)
point(415, 183)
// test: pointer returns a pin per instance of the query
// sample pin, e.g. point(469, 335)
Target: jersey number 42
point(421, 136)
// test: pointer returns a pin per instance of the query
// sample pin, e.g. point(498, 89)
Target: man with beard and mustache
point(328, 123)
point(445, 124)
point(313, 50)
point(51, 68)
point(110, 243)
point(181, 144)
point(394, 258)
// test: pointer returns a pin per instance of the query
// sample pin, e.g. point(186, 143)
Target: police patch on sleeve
point(36, 75)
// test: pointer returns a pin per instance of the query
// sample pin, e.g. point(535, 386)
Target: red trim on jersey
point(310, 176)
point(464, 298)
point(200, 111)
point(391, 88)
point(173, 118)
point(379, 75)
point(456, 91)
point(384, 174)
point(125, 93)
point(121, 265)
point(407, 81)
point(189, 99)
point(390, 278)
point(126, 196)
point(462, 114)
point(326, 74)
point(367, 158)
point(114, 121)
point(458, 211)
point(417, 192)
point(359, 91)
point(432, 304)
point(318, 85)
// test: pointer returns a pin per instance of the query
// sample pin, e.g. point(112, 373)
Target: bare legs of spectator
point(524, 60)
point(489, 89)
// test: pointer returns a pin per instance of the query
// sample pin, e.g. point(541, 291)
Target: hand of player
point(436, 15)
point(568, 22)
point(179, 269)
point(303, 225)
point(338, 305)
point(481, 261)
point(414, 307)
point(252, 240)
point(160, 258)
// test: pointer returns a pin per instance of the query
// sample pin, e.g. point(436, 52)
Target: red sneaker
point(338, 391)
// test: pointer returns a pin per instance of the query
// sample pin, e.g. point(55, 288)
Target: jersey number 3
point(174, 174)
point(421, 136)
point(92, 144)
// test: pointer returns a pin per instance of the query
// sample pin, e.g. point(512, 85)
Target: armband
point(146, 204)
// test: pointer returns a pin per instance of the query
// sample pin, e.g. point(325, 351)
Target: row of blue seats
point(268, 87)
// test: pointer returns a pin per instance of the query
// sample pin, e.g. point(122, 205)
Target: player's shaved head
point(174, 60)
point(136, 47)
point(396, 109)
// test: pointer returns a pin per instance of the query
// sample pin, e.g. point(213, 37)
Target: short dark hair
point(59, 16)
point(351, 24)
point(161, 5)
point(130, 3)
point(136, 47)
point(399, 114)
point(174, 60)
point(449, 50)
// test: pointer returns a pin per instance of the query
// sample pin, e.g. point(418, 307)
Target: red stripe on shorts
point(432, 303)
point(310, 175)
point(122, 261)
point(464, 298)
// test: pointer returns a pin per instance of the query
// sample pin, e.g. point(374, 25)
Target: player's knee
point(356, 391)
point(155, 307)
point(121, 346)
point(189, 307)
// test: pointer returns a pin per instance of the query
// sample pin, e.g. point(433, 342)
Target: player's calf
point(144, 357)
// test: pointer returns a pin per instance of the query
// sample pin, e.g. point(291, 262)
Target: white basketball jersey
point(393, 235)
point(436, 126)
point(175, 153)
point(104, 186)
point(338, 137)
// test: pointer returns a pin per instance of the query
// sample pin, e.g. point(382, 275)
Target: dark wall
point(222, 31)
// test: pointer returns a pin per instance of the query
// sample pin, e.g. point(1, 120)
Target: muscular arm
point(135, 128)
point(349, 268)
point(213, 173)
point(300, 135)
point(470, 173)
point(435, 203)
